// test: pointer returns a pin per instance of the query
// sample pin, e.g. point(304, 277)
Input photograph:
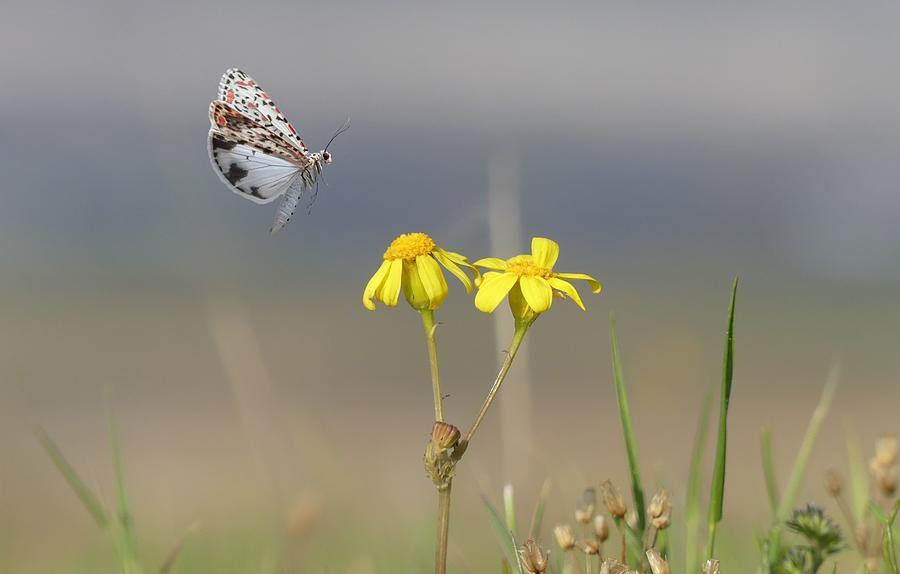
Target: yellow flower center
point(524, 266)
point(409, 246)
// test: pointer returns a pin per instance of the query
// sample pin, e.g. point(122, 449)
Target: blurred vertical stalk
point(505, 226)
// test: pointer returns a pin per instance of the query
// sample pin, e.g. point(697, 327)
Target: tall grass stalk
point(718, 483)
point(692, 500)
point(768, 465)
point(637, 488)
point(793, 485)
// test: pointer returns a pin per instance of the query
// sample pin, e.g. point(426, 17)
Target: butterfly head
point(326, 156)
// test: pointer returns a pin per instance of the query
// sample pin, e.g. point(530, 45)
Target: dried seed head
point(564, 537)
point(660, 510)
point(613, 566)
point(613, 500)
point(657, 564)
point(589, 547)
point(886, 480)
point(711, 567)
point(534, 559)
point(444, 435)
point(833, 483)
point(584, 510)
point(601, 528)
point(886, 451)
point(861, 536)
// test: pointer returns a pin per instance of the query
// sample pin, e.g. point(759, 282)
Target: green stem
point(518, 337)
point(430, 328)
point(443, 532)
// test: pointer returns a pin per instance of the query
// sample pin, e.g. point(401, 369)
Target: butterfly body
point(255, 151)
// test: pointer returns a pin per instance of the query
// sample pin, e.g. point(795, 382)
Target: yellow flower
point(411, 262)
point(529, 280)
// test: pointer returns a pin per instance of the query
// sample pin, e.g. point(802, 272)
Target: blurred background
point(667, 149)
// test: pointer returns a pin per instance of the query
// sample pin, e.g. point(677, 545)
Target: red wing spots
point(293, 131)
point(221, 120)
point(229, 97)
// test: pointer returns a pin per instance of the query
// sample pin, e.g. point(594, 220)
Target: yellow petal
point(537, 293)
point(544, 251)
point(568, 289)
point(595, 285)
point(432, 279)
point(389, 292)
point(452, 267)
point(491, 263)
point(373, 285)
point(493, 289)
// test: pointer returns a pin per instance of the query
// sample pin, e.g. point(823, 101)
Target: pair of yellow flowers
point(411, 264)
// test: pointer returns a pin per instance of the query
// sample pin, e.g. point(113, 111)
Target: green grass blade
point(717, 494)
point(888, 547)
point(507, 540)
point(637, 488)
point(692, 500)
point(537, 517)
point(175, 552)
point(796, 476)
point(90, 501)
point(768, 464)
point(509, 509)
point(126, 540)
point(859, 482)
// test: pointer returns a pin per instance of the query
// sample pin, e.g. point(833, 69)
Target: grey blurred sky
point(769, 128)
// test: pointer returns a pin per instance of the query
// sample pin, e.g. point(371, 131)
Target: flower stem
point(430, 328)
point(518, 337)
point(443, 533)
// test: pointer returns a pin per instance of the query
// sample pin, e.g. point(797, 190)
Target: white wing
point(248, 171)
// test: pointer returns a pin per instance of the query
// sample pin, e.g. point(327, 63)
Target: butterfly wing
point(243, 94)
point(249, 172)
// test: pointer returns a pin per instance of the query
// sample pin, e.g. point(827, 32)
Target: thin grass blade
point(509, 509)
point(90, 501)
point(717, 495)
point(692, 500)
point(796, 477)
point(126, 540)
point(537, 517)
point(859, 482)
point(507, 541)
point(768, 464)
point(637, 488)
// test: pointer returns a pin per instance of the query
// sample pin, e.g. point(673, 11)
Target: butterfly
point(255, 150)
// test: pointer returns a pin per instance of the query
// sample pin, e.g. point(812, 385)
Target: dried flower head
point(657, 563)
point(584, 510)
point(711, 567)
point(444, 435)
point(589, 547)
point(886, 451)
point(565, 537)
point(660, 510)
point(601, 528)
point(833, 483)
point(613, 499)
point(534, 558)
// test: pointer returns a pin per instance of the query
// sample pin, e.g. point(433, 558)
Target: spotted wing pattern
point(242, 93)
point(250, 173)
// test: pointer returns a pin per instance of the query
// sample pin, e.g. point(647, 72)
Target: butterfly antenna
point(341, 130)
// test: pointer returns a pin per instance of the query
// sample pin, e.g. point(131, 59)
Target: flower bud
point(886, 451)
point(444, 435)
point(590, 547)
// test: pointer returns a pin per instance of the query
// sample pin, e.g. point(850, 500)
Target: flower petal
point(433, 279)
point(568, 289)
point(389, 291)
point(544, 251)
point(491, 263)
point(537, 293)
point(493, 289)
point(452, 267)
point(595, 285)
point(374, 284)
